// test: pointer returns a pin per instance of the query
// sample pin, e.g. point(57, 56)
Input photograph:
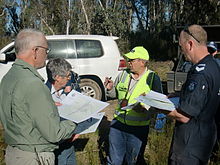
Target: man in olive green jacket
point(29, 116)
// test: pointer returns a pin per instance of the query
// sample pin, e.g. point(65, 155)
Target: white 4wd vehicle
point(93, 57)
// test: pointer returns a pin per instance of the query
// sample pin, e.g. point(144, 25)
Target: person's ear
point(35, 53)
point(190, 44)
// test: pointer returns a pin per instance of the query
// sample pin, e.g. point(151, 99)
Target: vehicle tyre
point(90, 88)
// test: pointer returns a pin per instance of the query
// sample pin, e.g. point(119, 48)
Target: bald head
point(195, 32)
point(27, 39)
point(193, 43)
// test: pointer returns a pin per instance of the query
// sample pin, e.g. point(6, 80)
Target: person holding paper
point(129, 128)
point(195, 129)
point(59, 74)
point(31, 122)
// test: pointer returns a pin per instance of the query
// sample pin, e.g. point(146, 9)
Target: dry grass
point(161, 68)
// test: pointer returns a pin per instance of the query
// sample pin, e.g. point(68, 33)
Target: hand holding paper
point(83, 110)
point(159, 101)
point(89, 125)
point(78, 107)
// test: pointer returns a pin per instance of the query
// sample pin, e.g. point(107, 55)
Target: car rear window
point(71, 49)
point(88, 48)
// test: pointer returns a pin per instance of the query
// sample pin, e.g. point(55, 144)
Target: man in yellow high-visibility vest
point(129, 128)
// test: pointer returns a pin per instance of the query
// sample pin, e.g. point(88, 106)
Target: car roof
point(80, 37)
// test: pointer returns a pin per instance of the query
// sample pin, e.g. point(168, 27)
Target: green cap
point(138, 52)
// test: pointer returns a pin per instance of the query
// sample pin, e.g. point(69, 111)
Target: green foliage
point(5, 40)
point(155, 20)
point(200, 12)
point(160, 47)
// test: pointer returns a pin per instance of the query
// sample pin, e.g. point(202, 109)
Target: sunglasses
point(132, 60)
point(186, 29)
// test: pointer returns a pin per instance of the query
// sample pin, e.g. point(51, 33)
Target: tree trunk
point(86, 17)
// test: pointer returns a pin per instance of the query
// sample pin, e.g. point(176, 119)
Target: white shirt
point(57, 96)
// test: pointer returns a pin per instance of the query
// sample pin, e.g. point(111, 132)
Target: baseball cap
point(138, 52)
point(212, 45)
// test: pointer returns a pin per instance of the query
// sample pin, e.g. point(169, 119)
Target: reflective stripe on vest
point(129, 116)
point(132, 118)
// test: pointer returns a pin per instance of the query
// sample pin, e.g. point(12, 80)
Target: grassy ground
point(92, 148)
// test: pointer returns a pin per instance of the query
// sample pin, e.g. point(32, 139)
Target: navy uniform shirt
point(199, 98)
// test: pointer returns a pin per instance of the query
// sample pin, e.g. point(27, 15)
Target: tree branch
point(46, 24)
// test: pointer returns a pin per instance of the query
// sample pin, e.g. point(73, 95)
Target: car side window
point(61, 49)
point(88, 48)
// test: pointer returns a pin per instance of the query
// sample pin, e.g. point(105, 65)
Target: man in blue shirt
point(195, 129)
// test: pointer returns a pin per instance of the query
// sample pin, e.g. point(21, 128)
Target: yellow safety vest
point(129, 116)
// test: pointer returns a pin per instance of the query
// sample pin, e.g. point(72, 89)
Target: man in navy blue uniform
point(195, 129)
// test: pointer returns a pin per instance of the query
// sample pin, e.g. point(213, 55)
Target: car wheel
point(90, 88)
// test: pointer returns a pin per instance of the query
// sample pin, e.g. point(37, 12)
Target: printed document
point(89, 125)
point(159, 101)
point(78, 107)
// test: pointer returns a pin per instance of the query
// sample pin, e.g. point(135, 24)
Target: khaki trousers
point(15, 156)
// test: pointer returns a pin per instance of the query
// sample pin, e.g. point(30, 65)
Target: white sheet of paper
point(90, 125)
point(78, 107)
point(156, 100)
point(158, 96)
point(131, 106)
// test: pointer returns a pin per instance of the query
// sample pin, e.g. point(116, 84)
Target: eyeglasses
point(186, 29)
point(67, 76)
point(47, 49)
point(131, 60)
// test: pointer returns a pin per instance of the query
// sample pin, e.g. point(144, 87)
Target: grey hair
point(57, 67)
point(27, 38)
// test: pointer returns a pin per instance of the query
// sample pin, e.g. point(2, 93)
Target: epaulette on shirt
point(200, 67)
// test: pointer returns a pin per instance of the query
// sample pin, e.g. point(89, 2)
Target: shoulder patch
point(192, 86)
point(200, 67)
